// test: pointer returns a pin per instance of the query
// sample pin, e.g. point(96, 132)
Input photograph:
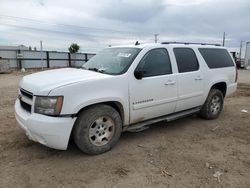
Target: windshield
point(112, 60)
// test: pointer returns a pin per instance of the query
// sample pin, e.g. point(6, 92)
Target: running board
point(145, 124)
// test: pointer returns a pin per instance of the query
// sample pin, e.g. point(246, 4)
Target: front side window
point(155, 62)
point(186, 60)
point(113, 61)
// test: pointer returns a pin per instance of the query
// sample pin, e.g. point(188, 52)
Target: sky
point(96, 24)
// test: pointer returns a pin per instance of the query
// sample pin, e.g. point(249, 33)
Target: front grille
point(26, 93)
point(26, 100)
point(25, 106)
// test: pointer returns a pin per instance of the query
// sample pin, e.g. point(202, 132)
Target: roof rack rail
point(186, 43)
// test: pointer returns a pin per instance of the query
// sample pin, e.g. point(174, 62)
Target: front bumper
point(53, 132)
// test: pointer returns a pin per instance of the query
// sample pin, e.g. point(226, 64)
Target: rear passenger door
point(190, 79)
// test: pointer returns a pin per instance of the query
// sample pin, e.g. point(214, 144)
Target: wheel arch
point(115, 104)
point(222, 86)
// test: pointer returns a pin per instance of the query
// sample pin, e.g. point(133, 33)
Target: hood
point(42, 83)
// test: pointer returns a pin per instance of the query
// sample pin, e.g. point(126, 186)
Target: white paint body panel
point(160, 91)
point(154, 99)
point(143, 99)
point(42, 83)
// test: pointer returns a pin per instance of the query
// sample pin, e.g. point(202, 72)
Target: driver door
point(155, 93)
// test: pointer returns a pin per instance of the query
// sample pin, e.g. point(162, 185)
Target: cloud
point(96, 24)
point(41, 2)
point(131, 11)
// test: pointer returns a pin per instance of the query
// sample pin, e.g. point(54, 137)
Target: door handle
point(170, 82)
point(198, 78)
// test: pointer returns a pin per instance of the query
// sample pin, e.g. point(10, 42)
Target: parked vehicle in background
point(241, 63)
point(124, 88)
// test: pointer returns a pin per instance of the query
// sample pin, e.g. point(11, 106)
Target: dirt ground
point(188, 152)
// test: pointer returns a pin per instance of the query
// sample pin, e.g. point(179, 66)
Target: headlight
point(48, 105)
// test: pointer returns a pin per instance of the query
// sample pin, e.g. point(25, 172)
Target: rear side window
point(216, 58)
point(155, 62)
point(186, 60)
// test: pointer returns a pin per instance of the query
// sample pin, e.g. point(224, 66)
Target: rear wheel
point(97, 129)
point(213, 105)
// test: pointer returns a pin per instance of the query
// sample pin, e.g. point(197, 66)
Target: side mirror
point(138, 74)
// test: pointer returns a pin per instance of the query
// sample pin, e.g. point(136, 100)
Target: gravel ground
point(189, 152)
point(244, 76)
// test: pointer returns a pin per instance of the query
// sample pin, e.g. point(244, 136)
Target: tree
point(74, 48)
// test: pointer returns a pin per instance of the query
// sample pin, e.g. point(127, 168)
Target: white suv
point(124, 88)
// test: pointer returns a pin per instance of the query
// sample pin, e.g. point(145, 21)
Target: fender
point(104, 100)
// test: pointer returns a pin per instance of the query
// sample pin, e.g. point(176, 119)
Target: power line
point(57, 37)
point(105, 33)
point(29, 20)
point(69, 33)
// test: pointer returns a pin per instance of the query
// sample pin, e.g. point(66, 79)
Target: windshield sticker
point(124, 55)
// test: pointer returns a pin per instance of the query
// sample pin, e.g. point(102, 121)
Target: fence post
point(47, 58)
point(86, 57)
point(69, 57)
point(19, 60)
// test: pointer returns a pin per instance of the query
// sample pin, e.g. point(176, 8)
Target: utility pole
point(223, 40)
point(41, 50)
point(156, 37)
point(240, 49)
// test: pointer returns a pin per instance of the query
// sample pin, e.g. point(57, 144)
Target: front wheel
point(97, 129)
point(213, 105)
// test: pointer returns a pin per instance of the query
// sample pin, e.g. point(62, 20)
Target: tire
point(97, 129)
point(213, 105)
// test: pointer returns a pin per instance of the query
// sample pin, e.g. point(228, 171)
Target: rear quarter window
point(216, 58)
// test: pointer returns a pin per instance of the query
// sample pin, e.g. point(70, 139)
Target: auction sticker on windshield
point(124, 54)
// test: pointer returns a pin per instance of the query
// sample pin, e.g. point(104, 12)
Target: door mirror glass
point(138, 74)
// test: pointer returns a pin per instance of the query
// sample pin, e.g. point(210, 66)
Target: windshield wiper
point(97, 70)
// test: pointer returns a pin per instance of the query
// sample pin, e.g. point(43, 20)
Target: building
point(20, 47)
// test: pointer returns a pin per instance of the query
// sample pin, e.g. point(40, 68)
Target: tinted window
point(216, 58)
point(186, 59)
point(155, 62)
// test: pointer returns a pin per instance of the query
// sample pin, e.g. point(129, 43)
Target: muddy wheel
point(213, 105)
point(97, 129)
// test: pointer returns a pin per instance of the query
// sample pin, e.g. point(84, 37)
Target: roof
point(20, 47)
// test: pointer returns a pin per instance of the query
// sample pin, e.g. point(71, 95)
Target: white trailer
point(247, 56)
